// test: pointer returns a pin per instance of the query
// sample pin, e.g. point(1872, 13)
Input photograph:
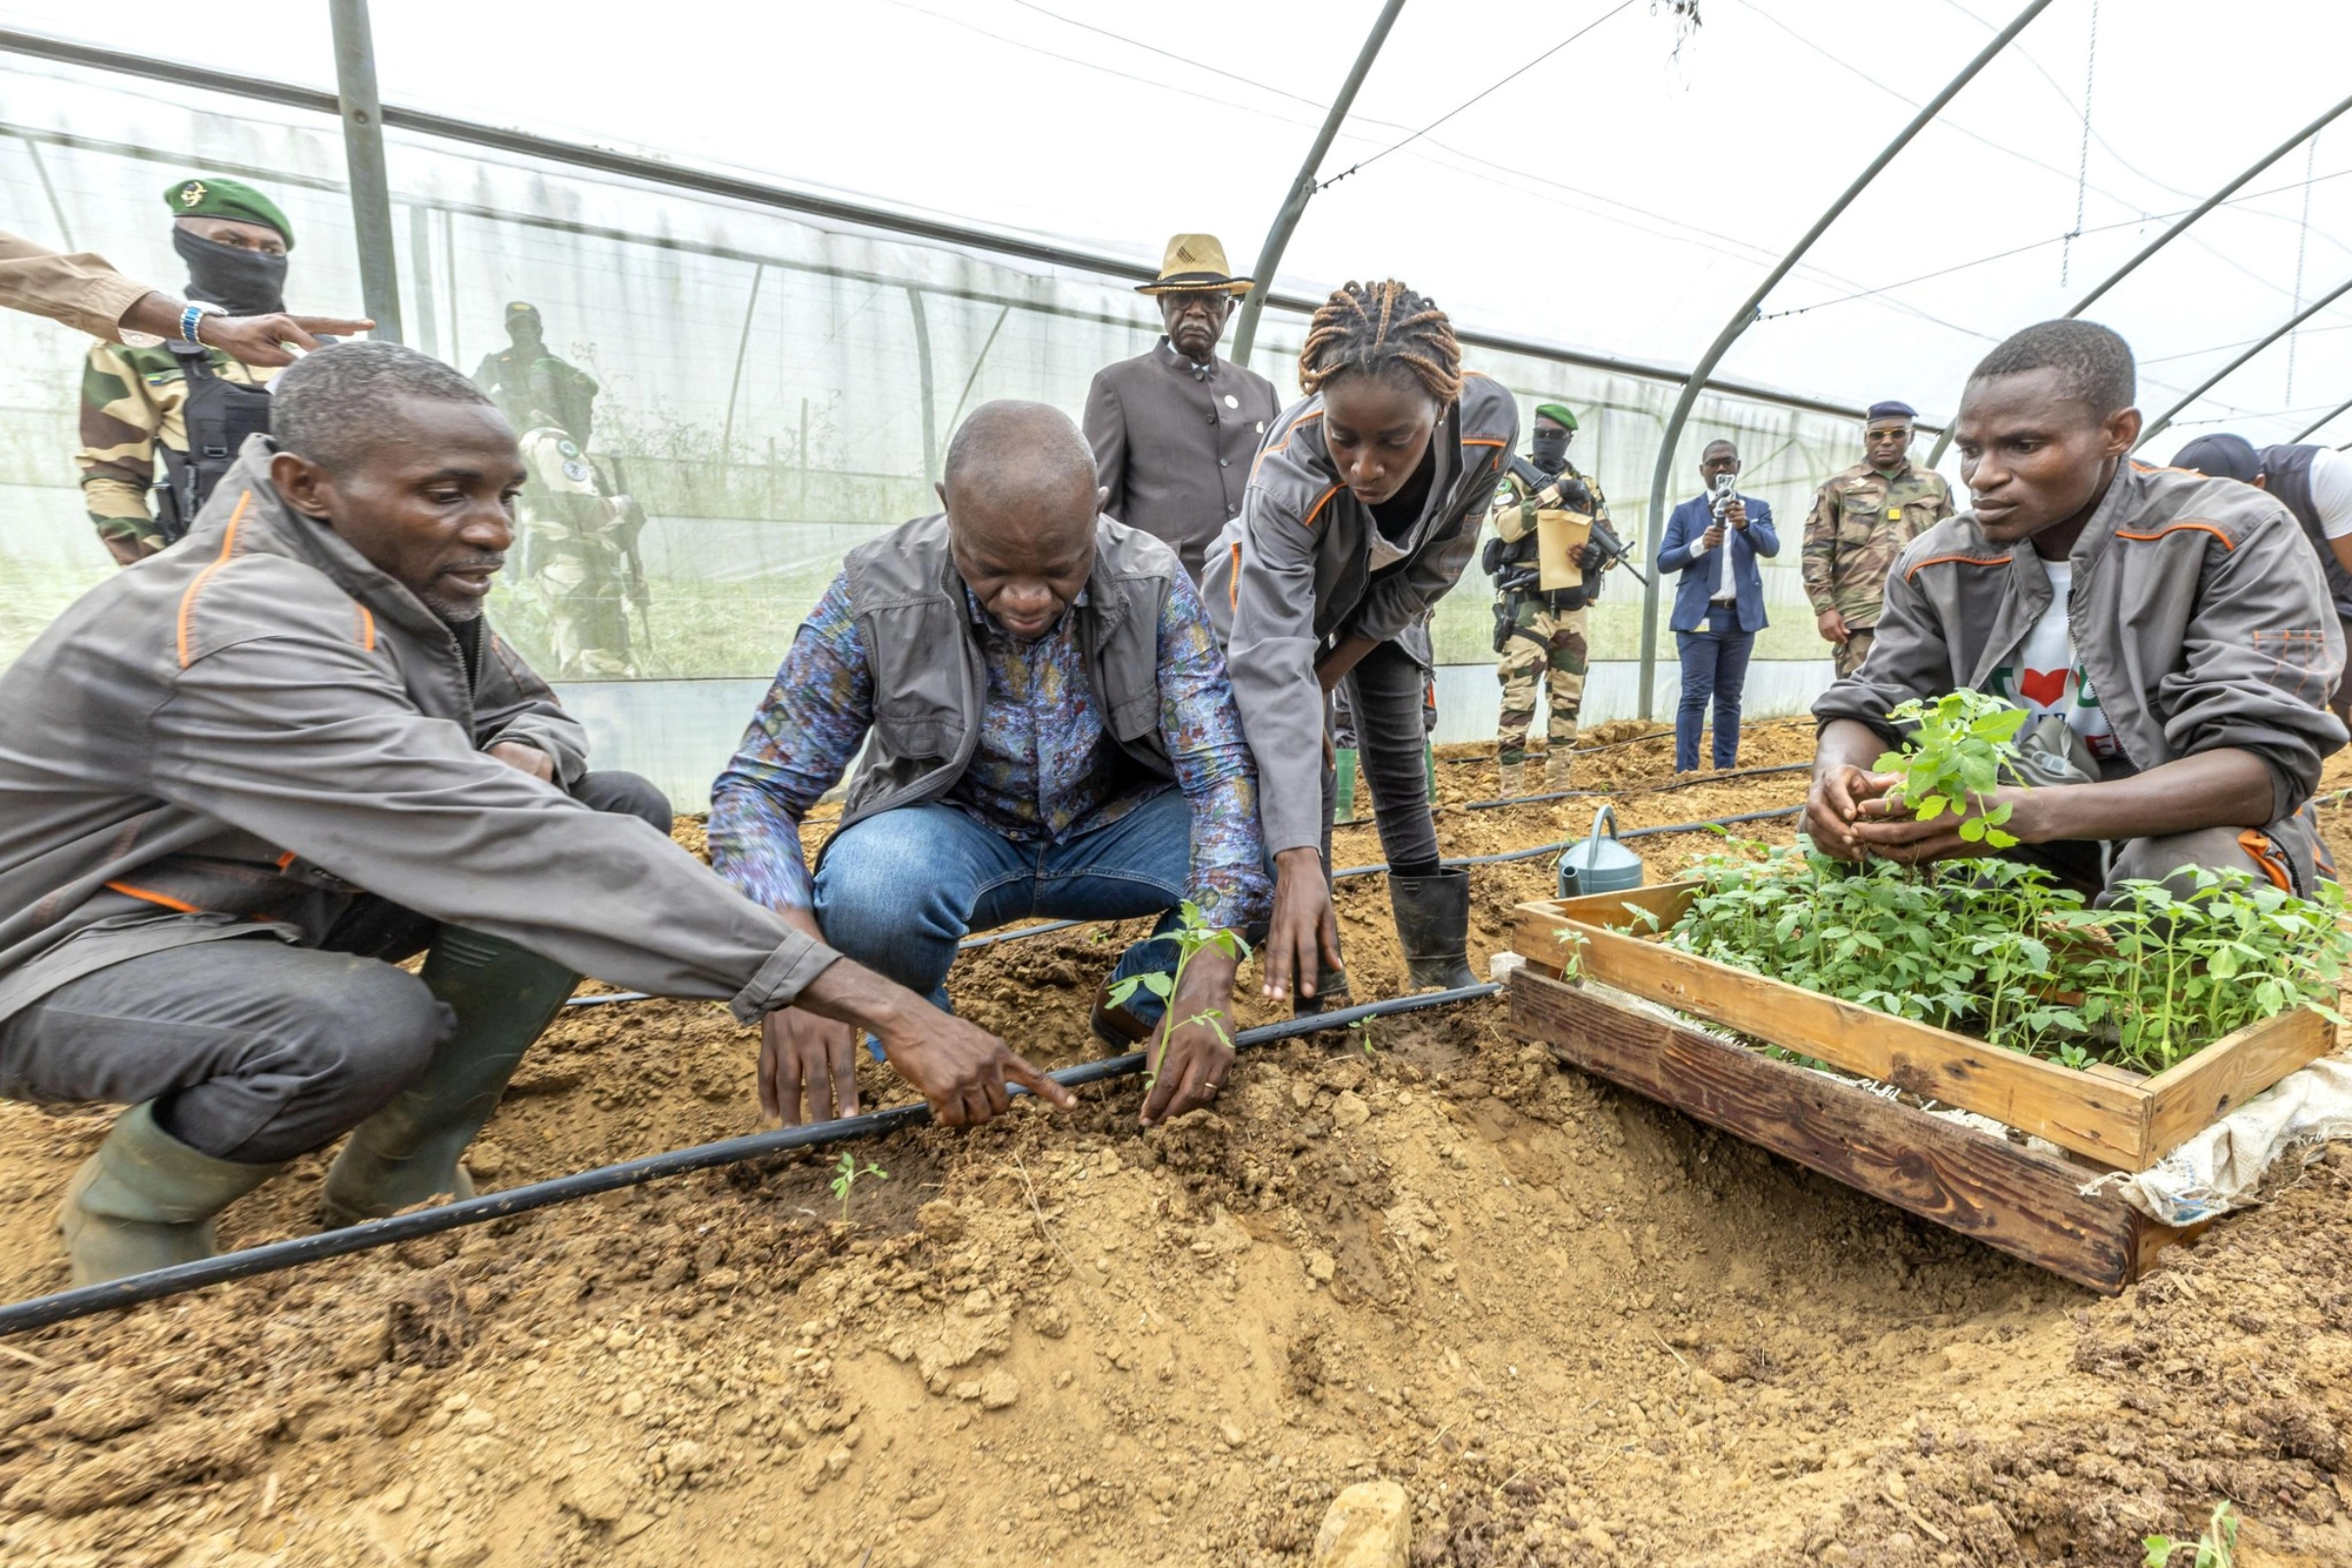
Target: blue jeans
point(1714, 664)
point(897, 892)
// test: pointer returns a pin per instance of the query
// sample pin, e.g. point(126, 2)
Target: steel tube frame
point(2179, 227)
point(781, 198)
point(1749, 309)
point(1303, 189)
point(2207, 206)
point(361, 112)
point(2340, 409)
point(2164, 420)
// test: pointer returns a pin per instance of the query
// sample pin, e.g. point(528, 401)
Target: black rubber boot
point(407, 1152)
point(147, 1201)
point(1433, 924)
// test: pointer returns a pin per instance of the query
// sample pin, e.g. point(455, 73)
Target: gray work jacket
point(1293, 574)
point(245, 731)
point(931, 677)
point(2198, 617)
point(1173, 442)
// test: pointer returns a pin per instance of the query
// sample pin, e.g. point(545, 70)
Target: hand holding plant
point(1194, 1048)
point(1952, 763)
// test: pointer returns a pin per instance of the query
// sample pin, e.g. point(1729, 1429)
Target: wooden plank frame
point(2118, 1120)
point(2031, 1206)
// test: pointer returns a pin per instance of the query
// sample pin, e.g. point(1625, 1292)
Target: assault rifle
point(1545, 490)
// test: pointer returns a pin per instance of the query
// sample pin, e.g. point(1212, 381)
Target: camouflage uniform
point(1861, 519)
point(573, 560)
point(535, 389)
point(131, 404)
point(1545, 640)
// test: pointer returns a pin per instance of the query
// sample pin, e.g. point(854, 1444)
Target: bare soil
point(1577, 1328)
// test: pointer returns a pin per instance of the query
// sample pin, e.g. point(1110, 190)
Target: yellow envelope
point(1560, 539)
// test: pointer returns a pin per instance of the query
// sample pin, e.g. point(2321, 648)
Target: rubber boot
point(407, 1152)
point(147, 1201)
point(1343, 805)
point(1512, 780)
point(1556, 764)
point(1433, 925)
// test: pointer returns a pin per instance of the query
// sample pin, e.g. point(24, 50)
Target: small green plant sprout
point(1953, 761)
point(1191, 935)
point(2216, 1548)
point(1361, 1032)
point(1572, 961)
point(846, 1176)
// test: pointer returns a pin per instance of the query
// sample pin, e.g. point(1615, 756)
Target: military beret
point(1557, 412)
point(516, 309)
point(210, 196)
point(1890, 410)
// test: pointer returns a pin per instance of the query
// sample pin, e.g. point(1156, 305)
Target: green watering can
point(1598, 863)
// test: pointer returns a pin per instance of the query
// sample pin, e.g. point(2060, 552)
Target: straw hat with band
point(1194, 263)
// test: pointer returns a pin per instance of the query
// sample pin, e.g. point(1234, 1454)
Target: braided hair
point(1382, 330)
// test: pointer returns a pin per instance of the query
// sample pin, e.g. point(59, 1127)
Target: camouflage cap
point(212, 196)
point(1556, 412)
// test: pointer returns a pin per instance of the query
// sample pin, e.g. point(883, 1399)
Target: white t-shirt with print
point(2049, 680)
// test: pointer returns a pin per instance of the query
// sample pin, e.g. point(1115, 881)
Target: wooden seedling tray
point(2106, 1114)
point(2029, 1205)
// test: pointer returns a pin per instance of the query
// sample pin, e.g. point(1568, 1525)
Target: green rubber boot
point(407, 1153)
point(147, 1201)
point(1343, 803)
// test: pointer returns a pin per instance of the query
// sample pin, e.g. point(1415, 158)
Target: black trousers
point(257, 1051)
point(1385, 696)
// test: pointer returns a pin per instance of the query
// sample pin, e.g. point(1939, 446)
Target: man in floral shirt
point(1047, 731)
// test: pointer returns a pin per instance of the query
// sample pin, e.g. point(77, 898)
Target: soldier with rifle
point(577, 554)
point(186, 398)
point(1538, 630)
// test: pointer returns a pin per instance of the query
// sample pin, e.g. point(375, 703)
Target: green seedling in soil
point(1953, 761)
point(1191, 935)
point(1361, 1032)
point(2216, 1548)
point(846, 1176)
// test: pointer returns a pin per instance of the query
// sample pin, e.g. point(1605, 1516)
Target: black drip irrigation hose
point(42, 1310)
point(1529, 853)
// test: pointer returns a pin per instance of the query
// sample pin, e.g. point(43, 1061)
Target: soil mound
point(1575, 1328)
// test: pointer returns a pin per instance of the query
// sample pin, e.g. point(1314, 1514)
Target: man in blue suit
point(1713, 541)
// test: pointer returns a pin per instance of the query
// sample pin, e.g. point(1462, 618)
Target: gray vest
point(2286, 475)
point(930, 679)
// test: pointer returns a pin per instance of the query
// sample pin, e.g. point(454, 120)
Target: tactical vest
point(1511, 562)
point(2286, 475)
point(929, 672)
point(220, 414)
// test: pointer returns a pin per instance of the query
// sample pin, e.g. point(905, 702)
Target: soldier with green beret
point(181, 398)
point(1539, 634)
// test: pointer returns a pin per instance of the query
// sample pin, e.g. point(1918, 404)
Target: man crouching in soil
point(2170, 637)
point(1048, 730)
point(240, 777)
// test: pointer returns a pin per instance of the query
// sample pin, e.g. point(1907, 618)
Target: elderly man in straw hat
point(1174, 429)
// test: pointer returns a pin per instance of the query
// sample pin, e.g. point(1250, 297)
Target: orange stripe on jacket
point(1309, 519)
point(1965, 561)
point(1284, 442)
point(2176, 528)
point(229, 546)
point(2264, 854)
point(367, 626)
point(1233, 583)
point(153, 897)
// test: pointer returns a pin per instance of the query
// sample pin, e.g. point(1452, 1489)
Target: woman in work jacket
point(1363, 510)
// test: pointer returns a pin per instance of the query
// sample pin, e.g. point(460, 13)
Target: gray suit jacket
point(1173, 445)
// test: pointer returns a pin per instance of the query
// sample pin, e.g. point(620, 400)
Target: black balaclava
point(1551, 448)
point(240, 282)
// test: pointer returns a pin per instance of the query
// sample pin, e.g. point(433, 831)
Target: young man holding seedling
point(2170, 637)
point(1047, 730)
point(239, 784)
